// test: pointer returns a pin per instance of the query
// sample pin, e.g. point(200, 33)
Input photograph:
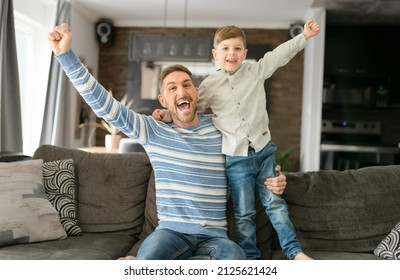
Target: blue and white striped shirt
point(189, 168)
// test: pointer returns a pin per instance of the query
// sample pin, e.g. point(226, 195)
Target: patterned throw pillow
point(389, 248)
point(26, 215)
point(59, 183)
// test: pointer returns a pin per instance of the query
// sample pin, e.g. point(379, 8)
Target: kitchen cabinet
point(361, 86)
point(361, 50)
point(362, 66)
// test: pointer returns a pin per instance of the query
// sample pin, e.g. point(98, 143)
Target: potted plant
point(113, 135)
point(283, 159)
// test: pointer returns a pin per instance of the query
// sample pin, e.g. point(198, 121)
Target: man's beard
point(181, 116)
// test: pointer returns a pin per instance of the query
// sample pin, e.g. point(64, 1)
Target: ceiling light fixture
point(170, 47)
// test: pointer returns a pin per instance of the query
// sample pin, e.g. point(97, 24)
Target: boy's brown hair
point(229, 32)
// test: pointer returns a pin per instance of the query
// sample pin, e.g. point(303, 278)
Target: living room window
point(34, 56)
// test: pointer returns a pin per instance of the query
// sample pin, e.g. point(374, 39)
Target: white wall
point(84, 45)
point(312, 96)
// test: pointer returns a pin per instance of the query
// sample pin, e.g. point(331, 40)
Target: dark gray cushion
point(150, 216)
point(111, 188)
point(349, 210)
point(318, 255)
point(89, 246)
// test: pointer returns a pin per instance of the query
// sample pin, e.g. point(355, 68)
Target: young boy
point(236, 96)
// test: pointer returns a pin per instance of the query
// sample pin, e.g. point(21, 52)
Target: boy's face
point(180, 98)
point(230, 53)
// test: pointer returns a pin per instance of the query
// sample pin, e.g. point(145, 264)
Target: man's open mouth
point(183, 105)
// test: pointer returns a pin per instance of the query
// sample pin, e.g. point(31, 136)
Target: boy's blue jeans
point(164, 244)
point(247, 175)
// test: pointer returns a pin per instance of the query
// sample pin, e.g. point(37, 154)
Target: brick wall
point(284, 100)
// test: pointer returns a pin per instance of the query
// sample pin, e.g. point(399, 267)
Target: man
point(191, 184)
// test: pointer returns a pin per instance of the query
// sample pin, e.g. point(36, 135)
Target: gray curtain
point(10, 105)
point(57, 112)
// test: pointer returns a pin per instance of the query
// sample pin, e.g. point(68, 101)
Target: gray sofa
point(337, 214)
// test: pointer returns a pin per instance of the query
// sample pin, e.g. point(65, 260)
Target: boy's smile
point(230, 53)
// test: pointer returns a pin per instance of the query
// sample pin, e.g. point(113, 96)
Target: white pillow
point(26, 215)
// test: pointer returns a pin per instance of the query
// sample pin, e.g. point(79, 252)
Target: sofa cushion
point(350, 210)
point(111, 188)
point(389, 248)
point(150, 215)
point(59, 183)
point(25, 213)
point(88, 246)
point(326, 255)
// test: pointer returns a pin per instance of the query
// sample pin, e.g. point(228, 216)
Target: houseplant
point(283, 159)
point(113, 135)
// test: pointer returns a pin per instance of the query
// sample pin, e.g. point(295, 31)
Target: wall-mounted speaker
point(296, 29)
point(104, 31)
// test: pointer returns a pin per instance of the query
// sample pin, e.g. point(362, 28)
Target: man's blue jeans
point(247, 175)
point(164, 244)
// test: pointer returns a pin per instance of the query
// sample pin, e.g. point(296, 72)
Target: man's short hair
point(168, 70)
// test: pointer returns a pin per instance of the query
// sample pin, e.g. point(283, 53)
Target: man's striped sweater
point(191, 184)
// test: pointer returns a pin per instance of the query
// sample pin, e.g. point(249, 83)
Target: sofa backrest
point(111, 188)
point(350, 210)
